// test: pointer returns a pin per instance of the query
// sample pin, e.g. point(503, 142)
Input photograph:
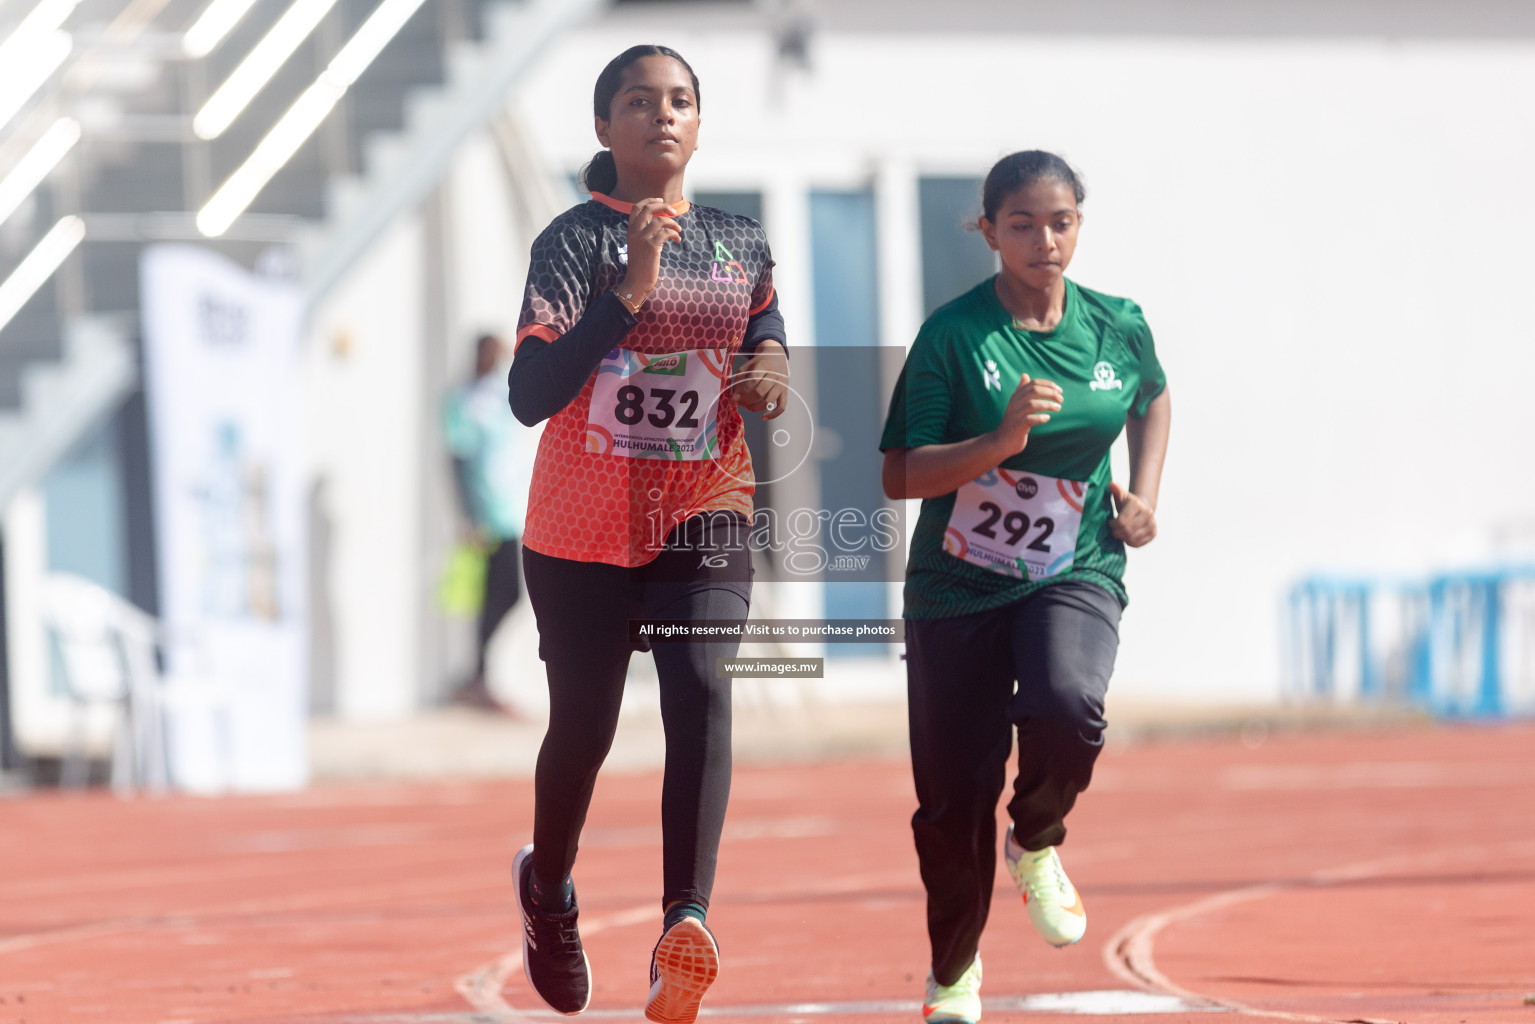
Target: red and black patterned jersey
point(598, 494)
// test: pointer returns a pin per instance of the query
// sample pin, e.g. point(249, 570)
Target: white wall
point(490, 255)
point(1328, 237)
point(1326, 233)
point(366, 428)
point(378, 347)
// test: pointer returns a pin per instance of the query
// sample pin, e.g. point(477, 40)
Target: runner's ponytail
point(601, 175)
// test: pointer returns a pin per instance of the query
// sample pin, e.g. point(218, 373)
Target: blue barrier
point(1456, 644)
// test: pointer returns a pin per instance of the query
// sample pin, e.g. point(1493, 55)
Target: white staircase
point(64, 399)
point(402, 167)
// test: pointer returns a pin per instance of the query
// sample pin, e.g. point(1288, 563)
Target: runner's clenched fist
point(1135, 521)
point(651, 225)
point(761, 381)
point(1032, 403)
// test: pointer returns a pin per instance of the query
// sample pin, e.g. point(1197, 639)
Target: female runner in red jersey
point(647, 324)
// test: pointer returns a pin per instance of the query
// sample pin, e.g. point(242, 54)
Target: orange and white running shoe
point(685, 963)
point(959, 1003)
point(1054, 905)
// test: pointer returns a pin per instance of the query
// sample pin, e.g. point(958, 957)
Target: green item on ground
point(462, 586)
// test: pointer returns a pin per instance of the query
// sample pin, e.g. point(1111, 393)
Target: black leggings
point(583, 611)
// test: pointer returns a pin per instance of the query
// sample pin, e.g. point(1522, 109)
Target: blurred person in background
point(1001, 422)
point(647, 326)
point(492, 464)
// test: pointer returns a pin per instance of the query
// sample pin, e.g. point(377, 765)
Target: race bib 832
point(666, 406)
point(1021, 524)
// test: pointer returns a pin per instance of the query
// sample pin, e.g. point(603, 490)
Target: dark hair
point(1020, 170)
point(601, 175)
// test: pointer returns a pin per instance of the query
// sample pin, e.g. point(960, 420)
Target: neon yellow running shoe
point(959, 1003)
point(1054, 905)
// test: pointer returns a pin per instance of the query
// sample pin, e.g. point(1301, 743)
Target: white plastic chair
point(112, 654)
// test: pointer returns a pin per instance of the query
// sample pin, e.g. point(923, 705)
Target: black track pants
point(583, 610)
point(1058, 645)
point(503, 589)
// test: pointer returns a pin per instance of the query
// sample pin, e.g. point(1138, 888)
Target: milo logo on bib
point(674, 365)
point(1019, 524)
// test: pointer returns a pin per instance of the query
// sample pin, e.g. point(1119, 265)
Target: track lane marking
point(386, 894)
point(1089, 1004)
point(1129, 953)
point(482, 987)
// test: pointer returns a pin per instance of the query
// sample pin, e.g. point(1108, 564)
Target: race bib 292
point(1021, 524)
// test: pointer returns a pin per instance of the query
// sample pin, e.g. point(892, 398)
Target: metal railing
point(1459, 644)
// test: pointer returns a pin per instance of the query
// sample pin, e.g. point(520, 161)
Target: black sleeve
point(547, 376)
point(764, 324)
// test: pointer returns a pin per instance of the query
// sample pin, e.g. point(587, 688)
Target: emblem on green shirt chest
point(1104, 379)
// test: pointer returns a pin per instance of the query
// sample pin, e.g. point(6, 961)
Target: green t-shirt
point(959, 375)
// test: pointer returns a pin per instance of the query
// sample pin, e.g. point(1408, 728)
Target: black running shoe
point(552, 957)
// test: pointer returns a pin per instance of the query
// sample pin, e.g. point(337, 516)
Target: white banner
point(221, 354)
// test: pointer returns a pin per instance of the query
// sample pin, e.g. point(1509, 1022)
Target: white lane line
point(387, 894)
point(1088, 1004)
point(482, 987)
point(1129, 954)
point(1100, 1004)
point(73, 933)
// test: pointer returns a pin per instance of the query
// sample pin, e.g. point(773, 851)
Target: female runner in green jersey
point(1001, 422)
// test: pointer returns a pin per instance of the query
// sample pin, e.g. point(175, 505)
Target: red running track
point(1337, 877)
